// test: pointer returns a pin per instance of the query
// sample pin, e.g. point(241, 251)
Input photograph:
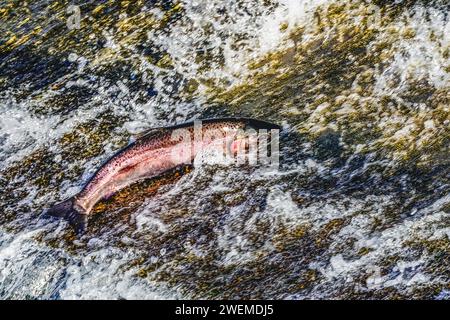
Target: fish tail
point(67, 210)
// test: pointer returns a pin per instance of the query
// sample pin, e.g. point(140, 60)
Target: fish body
point(154, 153)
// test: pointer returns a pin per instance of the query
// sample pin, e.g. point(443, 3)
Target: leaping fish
point(153, 153)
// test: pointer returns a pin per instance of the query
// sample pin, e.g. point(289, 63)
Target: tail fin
point(67, 210)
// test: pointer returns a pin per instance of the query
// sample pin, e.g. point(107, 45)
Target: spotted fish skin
point(149, 156)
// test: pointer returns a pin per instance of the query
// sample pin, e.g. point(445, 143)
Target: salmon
point(153, 153)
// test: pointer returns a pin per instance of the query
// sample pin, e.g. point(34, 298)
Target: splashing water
point(358, 209)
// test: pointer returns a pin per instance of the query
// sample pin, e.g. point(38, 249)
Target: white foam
point(103, 275)
point(421, 57)
point(29, 269)
point(258, 29)
point(405, 273)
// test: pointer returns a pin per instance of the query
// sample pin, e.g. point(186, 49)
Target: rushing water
point(358, 209)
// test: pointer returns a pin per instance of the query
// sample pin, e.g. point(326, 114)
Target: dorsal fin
point(148, 132)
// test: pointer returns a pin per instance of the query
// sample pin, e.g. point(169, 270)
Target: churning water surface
point(359, 207)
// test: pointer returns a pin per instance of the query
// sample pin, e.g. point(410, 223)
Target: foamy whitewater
point(358, 209)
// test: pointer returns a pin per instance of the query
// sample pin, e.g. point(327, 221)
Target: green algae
point(48, 46)
point(326, 84)
point(324, 88)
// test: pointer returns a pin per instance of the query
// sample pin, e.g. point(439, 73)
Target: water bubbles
point(73, 57)
point(154, 260)
point(327, 227)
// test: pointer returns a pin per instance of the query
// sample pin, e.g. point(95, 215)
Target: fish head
point(249, 134)
point(239, 134)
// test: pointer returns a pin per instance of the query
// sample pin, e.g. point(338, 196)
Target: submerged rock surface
point(358, 209)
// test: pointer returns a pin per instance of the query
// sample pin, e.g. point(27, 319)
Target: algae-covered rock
point(357, 209)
